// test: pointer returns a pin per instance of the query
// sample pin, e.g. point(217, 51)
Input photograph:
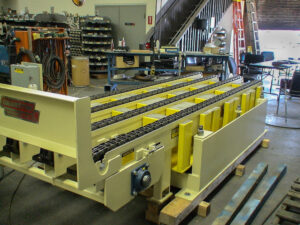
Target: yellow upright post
point(216, 116)
point(184, 146)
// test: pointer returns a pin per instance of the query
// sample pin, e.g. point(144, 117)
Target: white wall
point(38, 6)
point(226, 23)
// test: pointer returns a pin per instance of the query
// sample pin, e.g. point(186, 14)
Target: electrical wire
point(6, 175)
point(12, 198)
point(14, 194)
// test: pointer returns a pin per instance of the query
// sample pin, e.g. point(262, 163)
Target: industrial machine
point(182, 132)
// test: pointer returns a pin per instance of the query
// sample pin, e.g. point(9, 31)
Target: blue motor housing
point(4, 60)
point(140, 179)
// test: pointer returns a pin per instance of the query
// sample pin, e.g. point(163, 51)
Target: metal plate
point(277, 121)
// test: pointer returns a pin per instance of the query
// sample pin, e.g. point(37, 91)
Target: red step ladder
point(239, 44)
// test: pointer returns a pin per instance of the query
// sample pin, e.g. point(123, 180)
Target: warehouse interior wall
point(38, 6)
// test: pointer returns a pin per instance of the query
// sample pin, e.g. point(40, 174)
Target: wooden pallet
point(178, 209)
point(289, 210)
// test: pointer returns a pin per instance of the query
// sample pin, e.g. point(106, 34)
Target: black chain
point(148, 94)
point(99, 151)
point(135, 112)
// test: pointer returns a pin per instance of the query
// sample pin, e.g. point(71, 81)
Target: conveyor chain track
point(99, 151)
point(127, 115)
point(103, 95)
point(148, 94)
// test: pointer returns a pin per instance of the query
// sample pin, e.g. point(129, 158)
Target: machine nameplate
point(127, 156)
point(20, 109)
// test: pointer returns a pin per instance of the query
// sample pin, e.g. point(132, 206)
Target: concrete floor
point(39, 203)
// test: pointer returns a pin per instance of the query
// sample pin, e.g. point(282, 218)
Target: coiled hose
point(54, 71)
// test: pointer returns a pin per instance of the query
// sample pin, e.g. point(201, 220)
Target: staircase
point(174, 24)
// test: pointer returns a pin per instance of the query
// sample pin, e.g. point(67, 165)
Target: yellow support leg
point(258, 94)
point(184, 147)
point(245, 102)
point(216, 116)
point(235, 105)
point(205, 120)
point(252, 99)
point(228, 112)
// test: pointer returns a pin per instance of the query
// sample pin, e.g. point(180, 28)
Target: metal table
point(274, 119)
point(269, 65)
point(180, 56)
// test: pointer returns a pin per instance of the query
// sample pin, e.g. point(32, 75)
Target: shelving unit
point(75, 42)
point(96, 40)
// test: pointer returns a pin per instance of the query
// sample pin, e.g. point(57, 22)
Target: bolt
point(102, 166)
point(134, 193)
point(187, 193)
point(239, 110)
point(200, 130)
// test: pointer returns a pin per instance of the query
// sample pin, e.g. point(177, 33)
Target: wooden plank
point(296, 187)
point(294, 194)
point(289, 216)
point(165, 218)
point(242, 195)
point(291, 203)
point(259, 197)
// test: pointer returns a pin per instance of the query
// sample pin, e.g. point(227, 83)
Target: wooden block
point(204, 209)
point(147, 193)
point(240, 170)
point(154, 208)
point(265, 143)
point(173, 213)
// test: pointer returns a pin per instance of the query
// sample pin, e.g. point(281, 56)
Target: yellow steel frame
point(64, 128)
point(144, 90)
point(117, 110)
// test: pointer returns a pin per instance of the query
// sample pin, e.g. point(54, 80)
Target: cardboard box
point(195, 68)
point(211, 50)
point(121, 64)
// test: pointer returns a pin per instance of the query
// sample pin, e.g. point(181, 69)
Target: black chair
point(250, 73)
point(291, 87)
point(268, 56)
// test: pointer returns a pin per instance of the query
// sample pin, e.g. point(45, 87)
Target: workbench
point(179, 56)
